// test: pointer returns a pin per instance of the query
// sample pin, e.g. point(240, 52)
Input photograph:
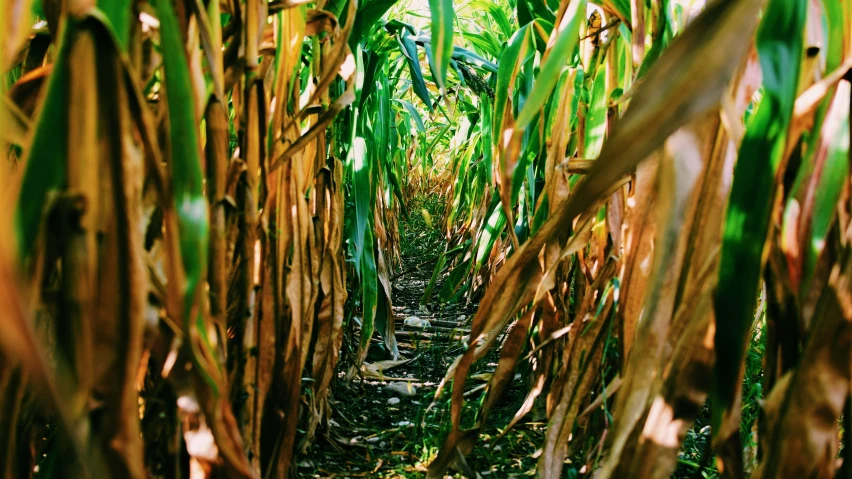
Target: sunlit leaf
point(779, 44)
point(442, 38)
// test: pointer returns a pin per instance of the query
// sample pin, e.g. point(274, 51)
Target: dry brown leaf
point(804, 440)
point(582, 369)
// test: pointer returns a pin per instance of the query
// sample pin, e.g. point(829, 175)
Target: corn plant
point(175, 256)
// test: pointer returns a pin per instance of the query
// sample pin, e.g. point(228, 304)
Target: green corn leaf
point(495, 42)
point(596, 119)
point(398, 192)
point(185, 158)
point(383, 109)
point(658, 42)
point(395, 26)
point(822, 134)
point(622, 7)
point(540, 10)
point(371, 64)
point(542, 29)
point(438, 137)
point(119, 13)
point(190, 202)
point(779, 45)
point(528, 154)
point(430, 60)
point(455, 66)
point(480, 42)
point(367, 15)
point(369, 294)
point(436, 273)
point(361, 186)
point(409, 49)
point(524, 14)
point(454, 281)
point(442, 39)
point(566, 41)
point(493, 228)
point(515, 55)
point(415, 115)
point(497, 14)
point(834, 17)
point(468, 56)
point(835, 173)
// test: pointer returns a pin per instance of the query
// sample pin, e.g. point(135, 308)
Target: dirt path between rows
point(382, 423)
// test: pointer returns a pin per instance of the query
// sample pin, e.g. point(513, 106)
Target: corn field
point(205, 203)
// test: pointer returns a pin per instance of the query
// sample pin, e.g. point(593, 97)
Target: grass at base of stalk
point(421, 237)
